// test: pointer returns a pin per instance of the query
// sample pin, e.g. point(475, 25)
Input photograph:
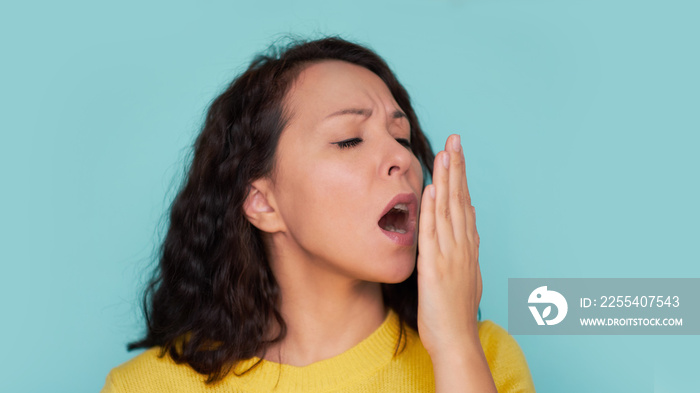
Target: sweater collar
point(357, 363)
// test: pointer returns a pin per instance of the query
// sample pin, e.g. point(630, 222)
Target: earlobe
point(259, 208)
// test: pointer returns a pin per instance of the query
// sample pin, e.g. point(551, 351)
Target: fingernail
point(446, 159)
point(432, 191)
point(456, 143)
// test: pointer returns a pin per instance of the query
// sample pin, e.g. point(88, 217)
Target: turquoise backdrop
point(579, 119)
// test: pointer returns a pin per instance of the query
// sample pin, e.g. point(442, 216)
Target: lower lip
point(402, 239)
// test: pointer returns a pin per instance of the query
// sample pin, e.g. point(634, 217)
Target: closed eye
point(404, 142)
point(348, 143)
point(356, 141)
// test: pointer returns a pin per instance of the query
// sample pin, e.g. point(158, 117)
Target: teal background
point(579, 121)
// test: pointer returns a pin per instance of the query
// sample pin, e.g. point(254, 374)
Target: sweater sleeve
point(506, 360)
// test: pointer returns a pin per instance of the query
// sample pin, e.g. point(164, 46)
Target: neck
point(326, 313)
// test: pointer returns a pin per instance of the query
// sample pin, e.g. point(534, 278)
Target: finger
point(469, 211)
point(465, 185)
point(470, 217)
point(426, 222)
point(479, 285)
point(443, 219)
point(457, 187)
point(471, 226)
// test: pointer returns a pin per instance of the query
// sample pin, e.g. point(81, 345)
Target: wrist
point(462, 367)
point(462, 350)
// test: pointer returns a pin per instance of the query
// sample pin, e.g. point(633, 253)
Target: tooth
point(392, 228)
point(401, 206)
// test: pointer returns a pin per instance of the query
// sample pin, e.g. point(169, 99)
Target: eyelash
point(356, 141)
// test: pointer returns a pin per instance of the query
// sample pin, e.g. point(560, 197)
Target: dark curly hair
point(213, 295)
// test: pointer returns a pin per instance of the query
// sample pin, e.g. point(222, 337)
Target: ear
point(260, 208)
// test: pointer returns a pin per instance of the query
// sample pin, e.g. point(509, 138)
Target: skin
point(327, 251)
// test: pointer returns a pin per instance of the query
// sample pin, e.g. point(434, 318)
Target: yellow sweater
point(370, 366)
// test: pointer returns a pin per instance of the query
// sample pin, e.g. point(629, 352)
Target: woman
point(305, 252)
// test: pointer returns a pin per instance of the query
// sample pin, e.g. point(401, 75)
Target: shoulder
point(150, 372)
point(505, 358)
point(495, 339)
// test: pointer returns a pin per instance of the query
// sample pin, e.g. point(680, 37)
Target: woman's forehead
point(333, 85)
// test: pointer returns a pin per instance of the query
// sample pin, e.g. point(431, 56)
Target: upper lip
point(411, 202)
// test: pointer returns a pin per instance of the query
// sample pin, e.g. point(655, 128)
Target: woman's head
point(214, 282)
point(342, 157)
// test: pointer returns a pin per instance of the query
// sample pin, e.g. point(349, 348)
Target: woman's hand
point(449, 277)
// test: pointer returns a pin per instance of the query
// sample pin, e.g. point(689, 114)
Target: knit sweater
point(369, 366)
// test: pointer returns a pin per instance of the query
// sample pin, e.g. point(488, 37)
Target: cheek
point(418, 170)
point(324, 195)
point(329, 214)
point(339, 187)
point(417, 180)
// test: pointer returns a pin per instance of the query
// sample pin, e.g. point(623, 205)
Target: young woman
point(305, 252)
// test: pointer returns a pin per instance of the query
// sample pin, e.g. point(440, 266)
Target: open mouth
point(396, 219)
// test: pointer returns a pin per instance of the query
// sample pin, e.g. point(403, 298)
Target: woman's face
point(332, 195)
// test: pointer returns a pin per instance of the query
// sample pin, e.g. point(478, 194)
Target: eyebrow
point(364, 112)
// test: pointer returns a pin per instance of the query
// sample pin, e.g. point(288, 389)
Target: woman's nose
point(397, 157)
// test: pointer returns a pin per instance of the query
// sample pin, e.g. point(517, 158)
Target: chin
point(399, 273)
